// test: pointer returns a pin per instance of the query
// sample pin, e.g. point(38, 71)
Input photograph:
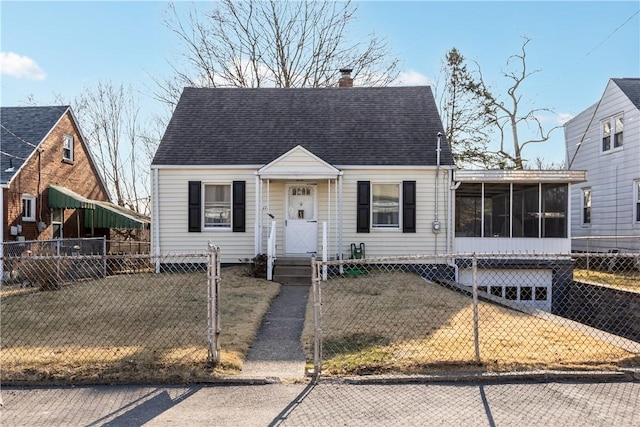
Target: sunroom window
point(511, 210)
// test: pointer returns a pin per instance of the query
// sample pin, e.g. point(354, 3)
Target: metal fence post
point(104, 256)
point(317, 327)
point(213, 302)
point(476, 338)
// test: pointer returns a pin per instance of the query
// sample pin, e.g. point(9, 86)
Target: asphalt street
point(329, 403)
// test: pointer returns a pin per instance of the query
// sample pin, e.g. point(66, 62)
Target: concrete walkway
point(277, 352)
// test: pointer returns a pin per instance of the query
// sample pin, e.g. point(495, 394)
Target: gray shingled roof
point(631, 88)
point(23, 128)
point(343, 126)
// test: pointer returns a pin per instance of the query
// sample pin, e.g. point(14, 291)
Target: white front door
point(301, 225)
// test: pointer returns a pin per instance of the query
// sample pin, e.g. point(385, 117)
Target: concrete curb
point(536, 376)
point(631, 374)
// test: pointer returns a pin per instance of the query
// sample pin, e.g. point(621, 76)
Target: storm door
point(301, 224)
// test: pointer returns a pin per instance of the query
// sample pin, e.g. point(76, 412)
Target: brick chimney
point(345, 78)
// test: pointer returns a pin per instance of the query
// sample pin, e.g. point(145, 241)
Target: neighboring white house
point(604, 140)
point(367, 162)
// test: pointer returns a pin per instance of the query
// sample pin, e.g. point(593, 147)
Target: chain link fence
point(131, 317)
point(67, 317)
point(484, 312)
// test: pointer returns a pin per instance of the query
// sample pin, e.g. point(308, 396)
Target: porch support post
point(257, 226)
point(327, 230)
point(340, 219)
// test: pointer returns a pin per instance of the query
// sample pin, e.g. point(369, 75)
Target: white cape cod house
point(340, 171)
point(317, 168)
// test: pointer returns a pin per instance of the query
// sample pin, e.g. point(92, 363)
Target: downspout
point(156, 217)
point(328, 231)
point(340, 219)
point(450, 260)
point(257, 223)
point(435, 226)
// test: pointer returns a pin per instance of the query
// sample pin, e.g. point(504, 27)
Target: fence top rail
point(603, 237)
point(181, 256)
point(62, 241)
point(445, 258)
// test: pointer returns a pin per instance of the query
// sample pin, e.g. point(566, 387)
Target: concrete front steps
point(292, 271)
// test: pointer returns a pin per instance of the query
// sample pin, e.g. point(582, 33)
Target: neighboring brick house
point(51, 187)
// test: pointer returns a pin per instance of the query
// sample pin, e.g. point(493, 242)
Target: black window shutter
point(195, 206)
point(408, 206)
point(364, 207)
point(239, 190)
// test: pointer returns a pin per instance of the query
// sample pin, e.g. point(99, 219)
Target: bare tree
point(109, 116)
point(506, 116)
point(467, 126)
point(271, 43)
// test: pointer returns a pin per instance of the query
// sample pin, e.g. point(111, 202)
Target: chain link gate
point(478, 312)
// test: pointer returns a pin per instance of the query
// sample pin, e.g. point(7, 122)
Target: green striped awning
point(110, 215)
point(61, 197)
point(98, 213)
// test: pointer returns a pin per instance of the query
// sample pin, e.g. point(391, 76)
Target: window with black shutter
point(364, 206)
point(408, 206)
point(195, 206)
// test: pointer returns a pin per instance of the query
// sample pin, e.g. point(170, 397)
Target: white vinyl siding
point(379, 242)
point(393, 242)
point(173, 219)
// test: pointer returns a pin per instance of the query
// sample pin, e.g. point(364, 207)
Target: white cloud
point(21, 67)
point(411, 78)
point(564, 117)
point(554, 119)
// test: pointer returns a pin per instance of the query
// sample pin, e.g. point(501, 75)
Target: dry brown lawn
point(625, 280)
point(397, 322)
point(128, 328)
point(375, 323)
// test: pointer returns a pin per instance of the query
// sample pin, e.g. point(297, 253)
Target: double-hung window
point(586, 206)
point(28, 208)
point(385, 205)
point(612, 133)
point(636, 201)
point(57, 223)
point(217, 206)
point(67, 148)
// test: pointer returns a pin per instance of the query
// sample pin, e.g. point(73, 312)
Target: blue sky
point(55, 49)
